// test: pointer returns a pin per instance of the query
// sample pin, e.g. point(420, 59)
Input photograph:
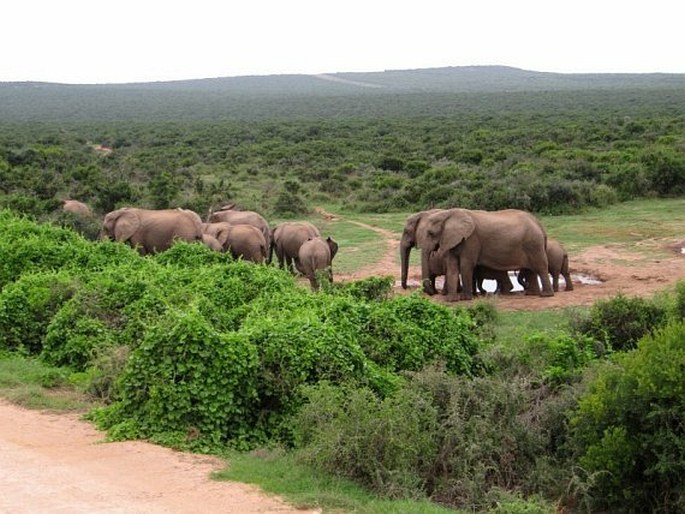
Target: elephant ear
point(127, 223)
point(458, 226)
point(222, 234)
point(332, 245)
point(410, 227)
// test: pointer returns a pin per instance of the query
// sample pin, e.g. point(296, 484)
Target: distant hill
point(291, 95)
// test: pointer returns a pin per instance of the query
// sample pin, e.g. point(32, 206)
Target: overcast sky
point(86, 41)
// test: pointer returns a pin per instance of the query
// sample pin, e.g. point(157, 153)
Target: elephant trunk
point(405, 250)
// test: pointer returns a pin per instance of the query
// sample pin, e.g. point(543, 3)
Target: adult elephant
point(408, 241)
point(151, 230)
point(500, 240)
point(287, 238)
point(230, 214)
point(557, 259)
point(316, 255)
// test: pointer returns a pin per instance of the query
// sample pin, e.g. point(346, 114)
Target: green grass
point(623, 223)
point(279, 473)
point(30, 383)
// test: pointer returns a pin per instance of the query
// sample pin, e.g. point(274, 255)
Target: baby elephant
point(316, 254)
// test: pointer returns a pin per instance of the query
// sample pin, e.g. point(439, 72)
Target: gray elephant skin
point(242, 241)
point(287, 238)
point(317, 254)
point(436, 268)
point(557, 259)
point(408, 241)
point(212, 243)
point(500, 240)
point(151, 231)
point(231, 215)
point(77, 208)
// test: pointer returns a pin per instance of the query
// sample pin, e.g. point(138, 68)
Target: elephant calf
point(316, 254)
point(558, 265)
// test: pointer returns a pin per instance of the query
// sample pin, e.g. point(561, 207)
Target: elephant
point(314, 255)
point(558, 265)
point(151, 230)
point(77, 208)
point(408, 241)
point(500, 240)
point(286, 240)
point(212, 243)
point(240, 240)
point(230, 214)
point(436, 267)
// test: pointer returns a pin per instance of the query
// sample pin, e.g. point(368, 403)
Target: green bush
point(28, 305)
point(628, 430)
point(386, 444)
point(408, 332)
point(564, 357)
point(186, 385)
point(620, 322)
point(457, 440)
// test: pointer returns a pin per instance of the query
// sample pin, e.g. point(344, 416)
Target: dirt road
point(56, 463)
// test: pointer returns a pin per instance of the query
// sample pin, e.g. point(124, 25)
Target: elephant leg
point(555, 283)
point(569, 282)
point(426, 282)
point(466, 269)
point(452, 277)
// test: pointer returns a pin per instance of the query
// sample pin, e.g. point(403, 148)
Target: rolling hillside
point(411, 92)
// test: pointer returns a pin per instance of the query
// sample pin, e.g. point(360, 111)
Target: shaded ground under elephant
point(500, 240)
point(151, 231)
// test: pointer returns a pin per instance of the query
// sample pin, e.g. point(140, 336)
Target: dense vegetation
point(549, 150)
point(408, 398)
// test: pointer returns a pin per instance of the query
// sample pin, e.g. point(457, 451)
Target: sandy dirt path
point(56, 463)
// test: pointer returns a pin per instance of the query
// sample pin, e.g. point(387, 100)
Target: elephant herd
point(468, 246)
point(244, 234)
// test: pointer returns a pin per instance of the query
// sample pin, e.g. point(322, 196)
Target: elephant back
point(242, 218)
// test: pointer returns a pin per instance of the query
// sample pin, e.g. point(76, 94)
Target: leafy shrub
point(458, 440)
point(408, 332)
point(186, 384)
point(564, 356)
point(628, 430)
point(620, 322)
point(368, 289)
point(28, 305)
point(386, 444)
point(680, 300)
